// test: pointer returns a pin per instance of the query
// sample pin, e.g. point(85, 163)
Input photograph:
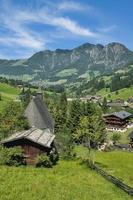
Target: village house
point(93, 98)
point(117, 104)
point(117, 121)
point(40, 136)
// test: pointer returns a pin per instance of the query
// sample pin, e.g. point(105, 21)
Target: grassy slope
point(124, 93)
point(66, 72)
point(3, 102)
point(124, 136)
point(8, 93)
point(69, 180)
point(117, 163)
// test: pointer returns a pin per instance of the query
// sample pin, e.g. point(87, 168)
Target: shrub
point(69, 153)
point(116, 137)
point(43, 161)
point(54, 157)
point(11, 156)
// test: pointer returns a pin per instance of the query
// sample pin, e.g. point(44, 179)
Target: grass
point(124, 136)
point(3, 103)
point(124, 93)
point(116, 163)
point(66, 72)
point(9, 91)
point(69, 180)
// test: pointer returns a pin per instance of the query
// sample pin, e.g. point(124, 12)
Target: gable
point(38, 114)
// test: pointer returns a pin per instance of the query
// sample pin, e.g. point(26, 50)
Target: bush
point(11, 156)
point(43, 161)
point(116, 137)
point(54, 157)
point(69, 153)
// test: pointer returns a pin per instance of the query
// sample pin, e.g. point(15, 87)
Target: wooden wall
point(30, 149)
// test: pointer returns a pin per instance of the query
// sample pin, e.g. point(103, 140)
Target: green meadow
point(68, 180)
point(116, 163)
point(9, 91)
point(124, 93)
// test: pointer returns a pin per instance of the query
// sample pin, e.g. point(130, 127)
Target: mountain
point(68, 66)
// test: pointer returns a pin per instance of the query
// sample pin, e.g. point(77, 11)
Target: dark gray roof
point(130, 135)
point(120, 114)
point(42, 137)
point(38, 114)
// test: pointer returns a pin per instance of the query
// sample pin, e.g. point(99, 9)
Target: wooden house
point(117, 120)
point(40, 136)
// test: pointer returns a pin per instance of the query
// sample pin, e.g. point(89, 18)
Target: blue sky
point(28, 26)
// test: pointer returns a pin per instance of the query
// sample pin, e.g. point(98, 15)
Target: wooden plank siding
point(30, 149)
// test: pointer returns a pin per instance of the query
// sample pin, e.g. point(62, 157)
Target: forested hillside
point(66, 67)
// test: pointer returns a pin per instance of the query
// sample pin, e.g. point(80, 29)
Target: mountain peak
point(64, 65)
point(112, 44)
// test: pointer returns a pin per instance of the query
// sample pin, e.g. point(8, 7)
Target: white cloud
point(107, 29)
point(46, 18)
point(72, 6)
point(19, 25)
point(73, 27)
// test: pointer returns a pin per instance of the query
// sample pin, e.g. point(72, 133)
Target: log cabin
point(40, 136)
point(118, 120)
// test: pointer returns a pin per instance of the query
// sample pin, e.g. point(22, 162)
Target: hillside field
point(8, 93)
point(116, 163)
point(124, 93)
point(68, 180)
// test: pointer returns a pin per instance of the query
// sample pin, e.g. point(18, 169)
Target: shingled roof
point(41, 137)
point(38, 114)
point(121, 114)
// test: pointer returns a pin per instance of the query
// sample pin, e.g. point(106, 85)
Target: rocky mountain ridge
point(53, 66)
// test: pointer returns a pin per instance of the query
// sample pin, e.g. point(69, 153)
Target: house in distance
point(118, 121)
point(40, 137)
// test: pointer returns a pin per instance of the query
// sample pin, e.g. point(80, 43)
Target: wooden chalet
point(40, 137)
point(131, 139)
point(117, 120)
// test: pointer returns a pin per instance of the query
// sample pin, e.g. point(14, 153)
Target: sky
point(29, 26)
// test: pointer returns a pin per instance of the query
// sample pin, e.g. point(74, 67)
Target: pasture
point(116, 163)
point(68, 180)
point(124, 93)
point(9, 91)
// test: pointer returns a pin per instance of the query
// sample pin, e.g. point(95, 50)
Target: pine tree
point(104, 105)
point(63, 107)
point(74, 115)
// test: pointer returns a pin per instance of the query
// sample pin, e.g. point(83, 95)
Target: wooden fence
point(113, 180)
